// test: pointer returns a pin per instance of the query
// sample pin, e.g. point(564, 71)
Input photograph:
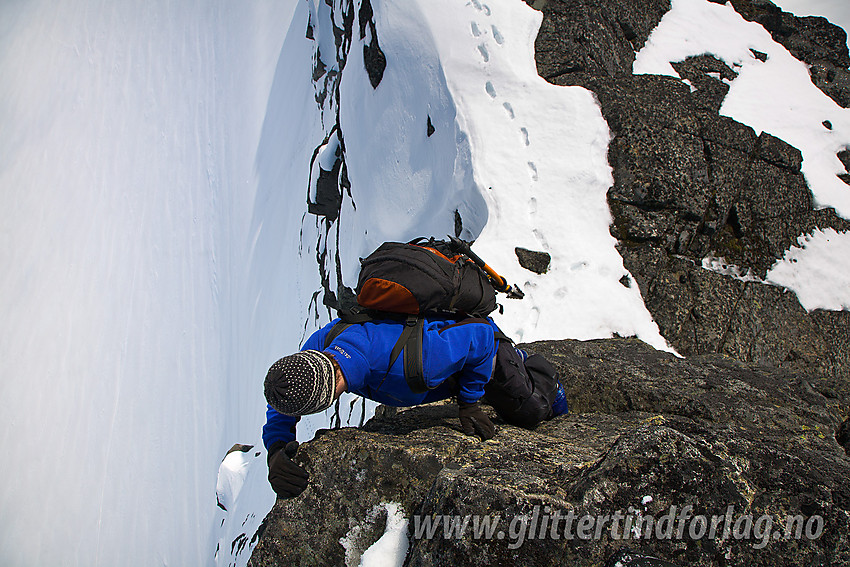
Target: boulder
point(532, 260)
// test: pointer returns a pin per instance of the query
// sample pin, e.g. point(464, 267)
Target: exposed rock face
point(691, 184)
point(648, 431)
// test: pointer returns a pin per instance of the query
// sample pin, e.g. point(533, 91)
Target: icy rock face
point(691, 184)
point(648, 431)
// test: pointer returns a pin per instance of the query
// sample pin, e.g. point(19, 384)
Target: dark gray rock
point(394, 459)
point(593, 37)
point(844, 156)
point(239, 447)
point(706, 432)
point(709, 91)
point(691, 184)
point(373, 57)
point(537, 262)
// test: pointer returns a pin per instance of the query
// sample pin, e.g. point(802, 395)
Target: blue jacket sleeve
point(278, 427)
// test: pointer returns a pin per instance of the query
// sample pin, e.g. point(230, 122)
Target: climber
point(468, 359)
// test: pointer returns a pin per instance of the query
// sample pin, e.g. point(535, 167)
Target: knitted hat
point(301, 384)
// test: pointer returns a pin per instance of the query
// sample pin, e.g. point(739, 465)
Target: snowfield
point(155, 166)
point(127, 175)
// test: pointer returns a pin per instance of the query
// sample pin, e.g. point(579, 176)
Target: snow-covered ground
point(540, 153)
point(127, 178)
point(154, 166)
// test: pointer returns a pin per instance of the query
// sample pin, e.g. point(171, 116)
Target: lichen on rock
point(702, 434)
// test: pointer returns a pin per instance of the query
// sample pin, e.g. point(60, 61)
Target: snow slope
point(541, 153)
point(127, 176)
point(154, 171)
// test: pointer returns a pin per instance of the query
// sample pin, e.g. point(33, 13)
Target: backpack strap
point(347, 319)
point(335, 331)
point(500, 336)
point(414, 371)
point(410, 343)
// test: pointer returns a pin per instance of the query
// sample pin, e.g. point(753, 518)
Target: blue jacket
point(464, 348)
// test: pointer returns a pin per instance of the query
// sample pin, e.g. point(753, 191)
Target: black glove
point(287, 478)
point(474, 421)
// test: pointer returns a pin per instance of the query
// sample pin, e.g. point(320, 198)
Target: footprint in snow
point(533, 170)
point(482, 49)
point(540, 238)
point(482, 7)
point(476, 31)
point(534, 316)
point(491, 90)
point(509, 109)
point(497, 35)
point(524, 132)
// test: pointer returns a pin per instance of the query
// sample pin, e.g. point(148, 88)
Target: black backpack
point(407, 281)
point(424, 277)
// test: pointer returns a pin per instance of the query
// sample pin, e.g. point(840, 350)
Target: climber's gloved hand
point(288, 479)
point(474, 421)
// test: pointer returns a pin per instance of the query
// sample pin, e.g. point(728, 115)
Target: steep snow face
point(540, 152)
point(127, 178)
point(775, 95)
point(175, 205)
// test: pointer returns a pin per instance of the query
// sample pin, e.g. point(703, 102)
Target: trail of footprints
point(484, 51)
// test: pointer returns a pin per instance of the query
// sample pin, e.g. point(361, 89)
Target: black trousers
point(521, 390)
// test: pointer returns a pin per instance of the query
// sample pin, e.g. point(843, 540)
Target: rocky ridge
point(755, 417)
point(647, 432)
